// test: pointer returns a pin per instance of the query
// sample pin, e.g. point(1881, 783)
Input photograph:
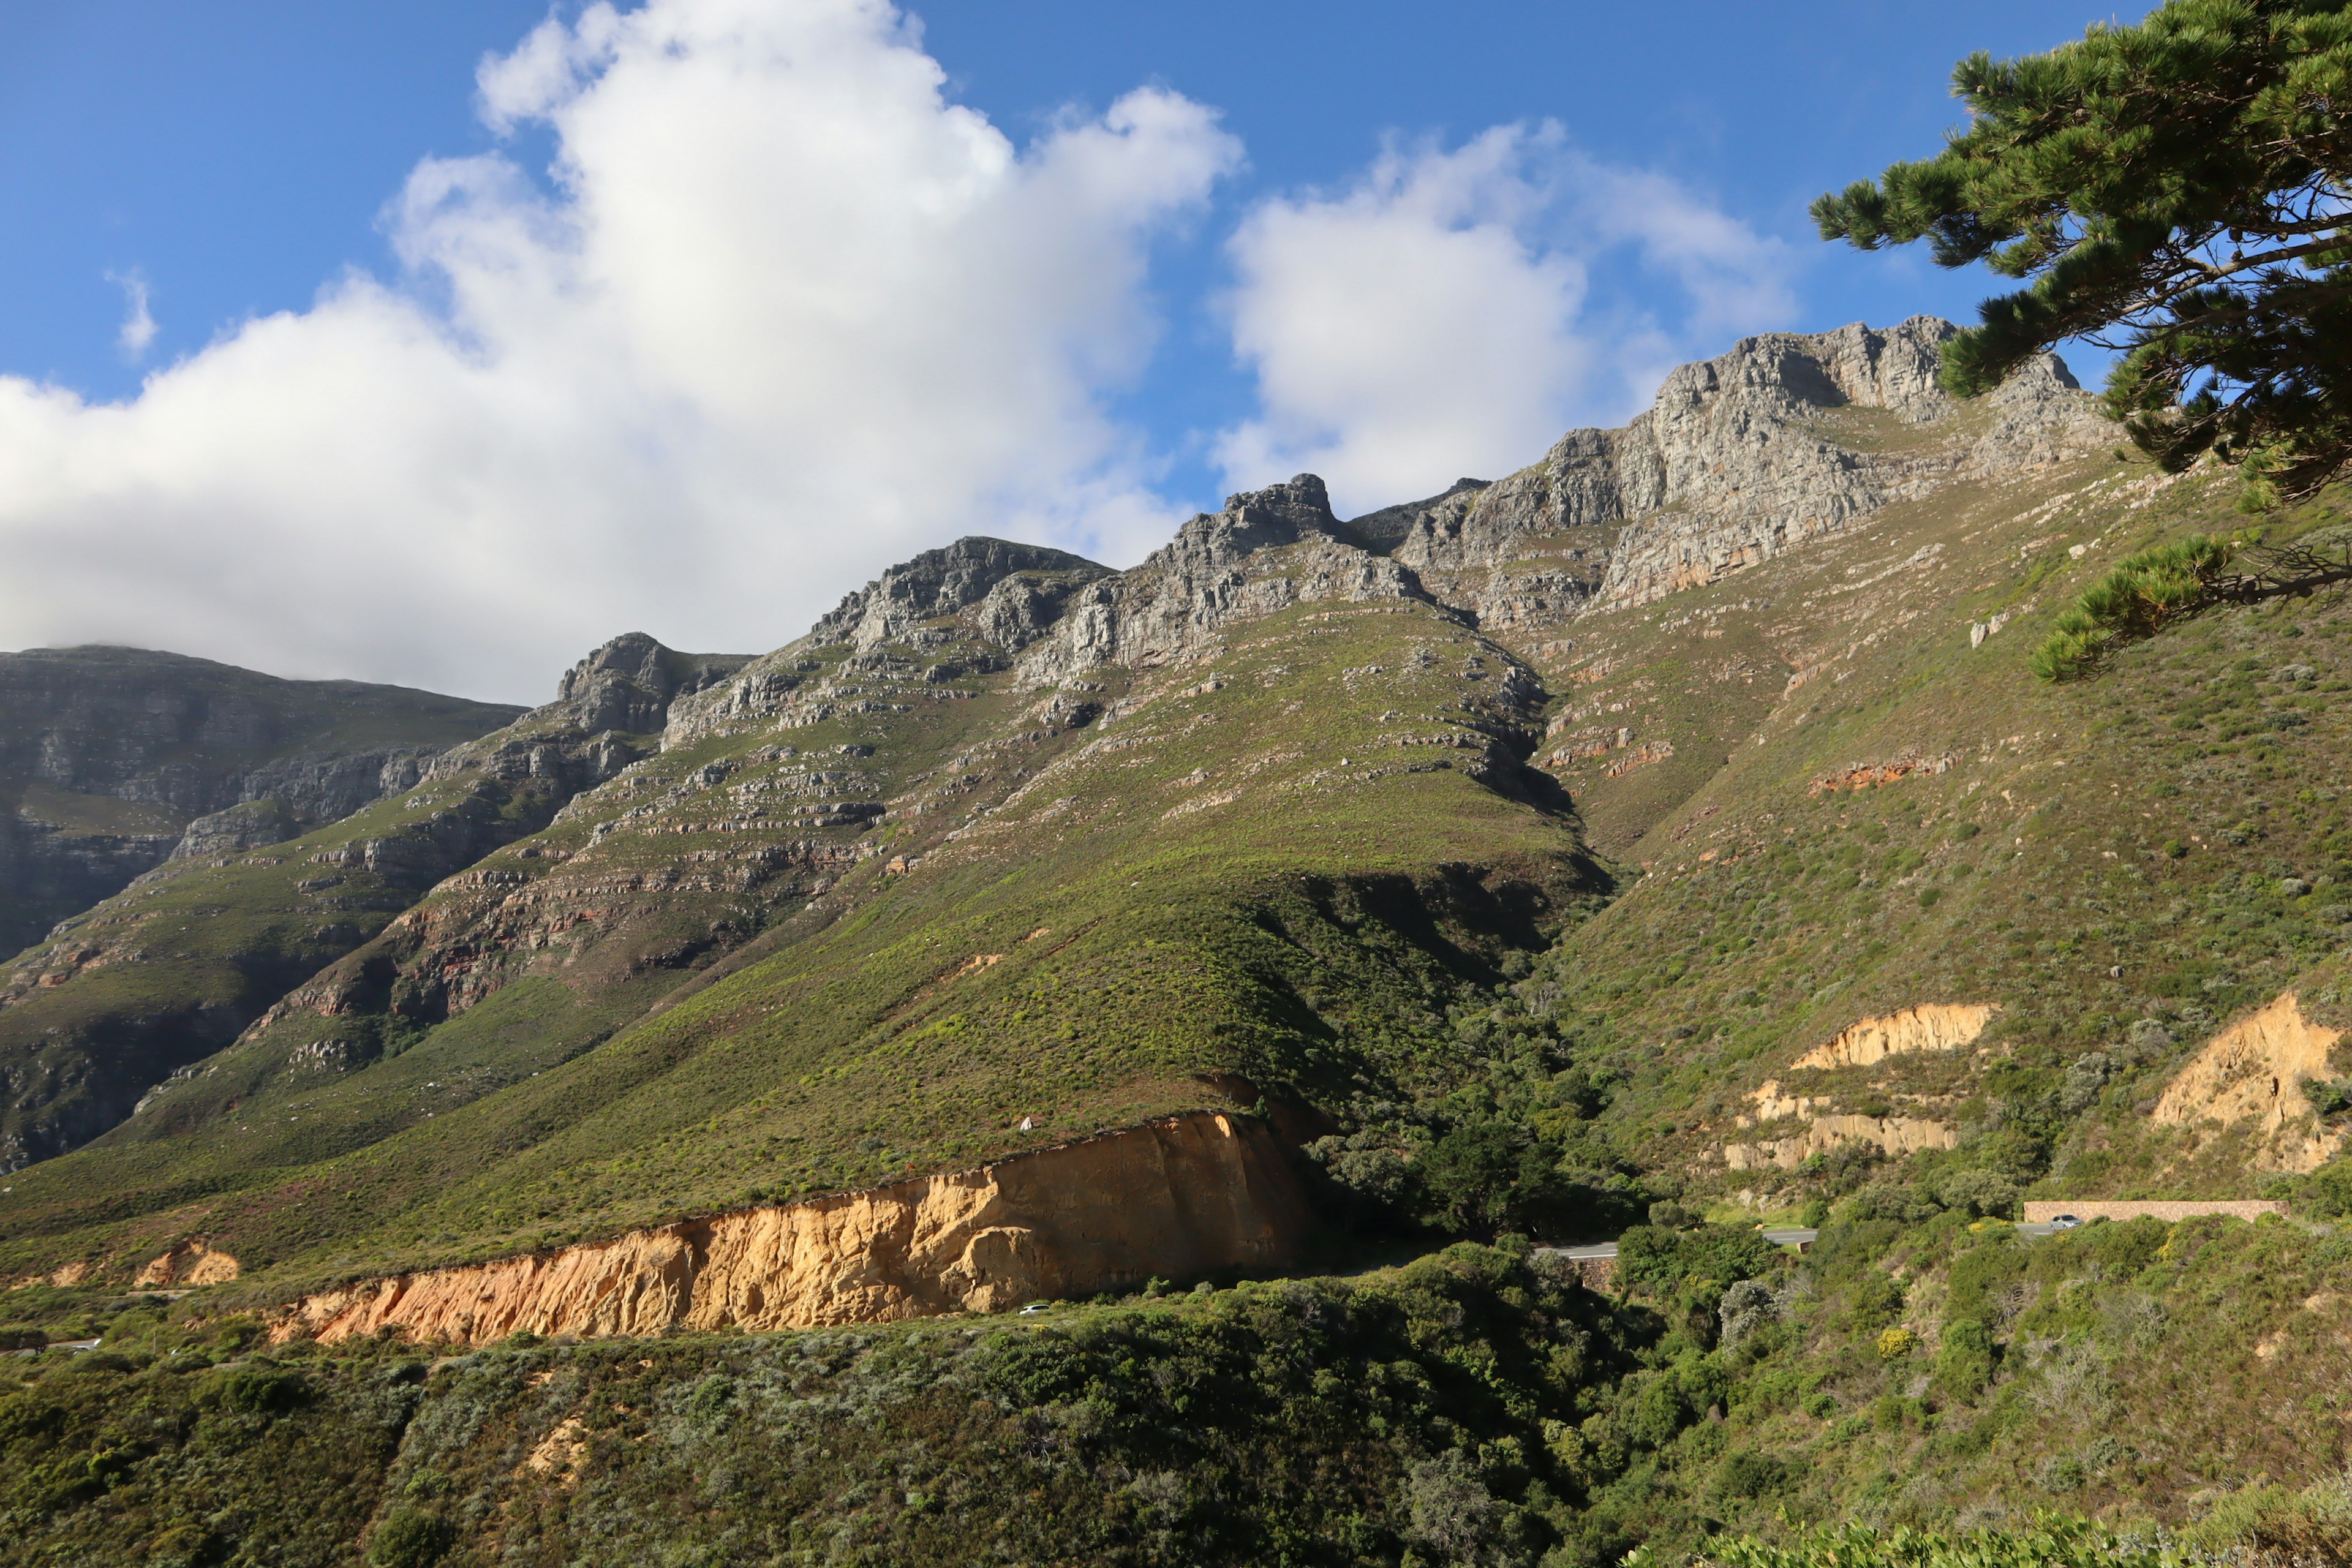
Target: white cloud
point(787, 315)
point(1448, 314)
point(138, 327)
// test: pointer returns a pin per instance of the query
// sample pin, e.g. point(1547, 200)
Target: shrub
point(2053, 1542)
point(1876, 1302)
point(2328, 1096)
point(2269, 1522)
point(1894, 1344)
point(1691, 1270)
point(1979, 1194)
point(1486, 1175)
point(261, 1388)
point(1964, 1364)
point(2329, 1191)
point(1746, 1474)
point(1747, 1307)
point(2132, 602)
point(408, 1538)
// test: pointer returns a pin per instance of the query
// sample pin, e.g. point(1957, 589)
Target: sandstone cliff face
point(1189, 1195)
point(1931, 1026)
point(2250, 1076)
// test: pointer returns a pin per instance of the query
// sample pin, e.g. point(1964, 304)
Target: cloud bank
point(787, 315)
point(783, 314)
point(1447, 314)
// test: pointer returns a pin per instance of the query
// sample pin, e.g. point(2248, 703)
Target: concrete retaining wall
point(2084, 1209)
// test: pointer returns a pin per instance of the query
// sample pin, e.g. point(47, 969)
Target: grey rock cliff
point(1001, 594)
point(1786, 439)
point(1218, 570)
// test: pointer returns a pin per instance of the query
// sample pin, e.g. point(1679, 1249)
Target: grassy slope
point(329, 718)
point(1200, 887)
point(169, 970)
point(2143, 822)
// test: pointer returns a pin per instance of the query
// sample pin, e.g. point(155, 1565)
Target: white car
point(2065, 1222)
point(1034, 1308)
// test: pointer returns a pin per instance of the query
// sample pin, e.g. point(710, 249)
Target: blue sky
point(274, 163)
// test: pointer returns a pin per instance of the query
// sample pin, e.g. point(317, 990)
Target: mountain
point(251, 899)
point(1005, 832)
point(1671, 831)
point(113, 760)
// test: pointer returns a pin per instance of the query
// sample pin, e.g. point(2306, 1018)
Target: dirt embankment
point(2252, 1075)
point(1931, 1026)
point(1193, 1195)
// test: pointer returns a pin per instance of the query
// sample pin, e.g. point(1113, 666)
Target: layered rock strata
point(1190, 1195)
point(1784, 439)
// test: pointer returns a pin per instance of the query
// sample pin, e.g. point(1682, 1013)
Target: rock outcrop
point(2249, 1077)
point(1784, 439)
point(188, 1265)
point(1189, 1195)
point(987, 597)
point(1266, 551)
point(1896, 1135)
point(1933, 1027)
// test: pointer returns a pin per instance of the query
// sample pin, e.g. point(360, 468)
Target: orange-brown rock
point(1932, 1026)
point(188, 1263)
point(1191, 1194)
point(1875, 776)
point(2252, 1073)
point(1896, 1135)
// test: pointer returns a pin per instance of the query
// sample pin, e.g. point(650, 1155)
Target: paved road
point(1600, 1249)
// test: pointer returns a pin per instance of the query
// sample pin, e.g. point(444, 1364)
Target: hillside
point(1044, 843)
point(255, 898)
point(113, 760)
point(1671, 830)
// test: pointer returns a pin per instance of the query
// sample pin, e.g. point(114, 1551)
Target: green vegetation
point(1477, 1404)
point(1313, 1422)
point(2178, 184)
point(2145, 591)
point(2054, 1541)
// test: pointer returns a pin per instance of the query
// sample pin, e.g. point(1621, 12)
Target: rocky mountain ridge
point(253, 900)
point(972, 696)
point(113, 760)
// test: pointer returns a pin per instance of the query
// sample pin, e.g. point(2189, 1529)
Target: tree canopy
point(2175, 191)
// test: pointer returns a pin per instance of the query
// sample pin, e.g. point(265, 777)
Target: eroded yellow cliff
point(1896, 1135)
point(2251, 1073)
point(1932, 1026)
point(1191, 1194)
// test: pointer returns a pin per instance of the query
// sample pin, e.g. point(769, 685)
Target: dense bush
point(2051, 1542)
